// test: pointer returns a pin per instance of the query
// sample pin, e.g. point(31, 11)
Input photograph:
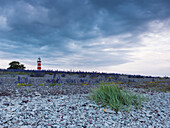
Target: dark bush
point(37, 74)
point(82, 75)
point(63, 75)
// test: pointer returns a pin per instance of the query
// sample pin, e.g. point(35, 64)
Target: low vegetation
point(159, 86)
point(41, 84)
point(116, 98)
point(55, 84)
point(84, 84)
point(23, 84)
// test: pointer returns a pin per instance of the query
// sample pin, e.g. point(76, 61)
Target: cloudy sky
point(118, 36)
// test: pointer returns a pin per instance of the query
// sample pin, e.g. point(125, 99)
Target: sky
point(113, 36)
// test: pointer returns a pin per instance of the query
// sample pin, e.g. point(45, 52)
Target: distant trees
point(16, 65)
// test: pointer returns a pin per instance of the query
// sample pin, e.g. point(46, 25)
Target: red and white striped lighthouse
point(39, 64)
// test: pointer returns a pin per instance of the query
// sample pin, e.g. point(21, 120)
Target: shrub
point(82, 75)
point(37, 74)
point(50, 73)
point(93, 76)
point(63, 75)
point(115, 98)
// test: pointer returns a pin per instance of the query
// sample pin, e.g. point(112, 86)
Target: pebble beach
point(77, 111)
point(68, 106)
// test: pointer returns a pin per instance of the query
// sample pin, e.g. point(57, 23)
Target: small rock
point(109, 111)
point(93, 105)
point(84, 104)
point(148, 114)
point(82, 117)
point(73, 107)
point(6, 103)
point(113, 119)
point(25, 100)
point(21, 123)
point(70, 112)
point(105, 124)
point(37, 94)
point(49, 100)
point(90, 121)
point(142, 120)
point(24, 127)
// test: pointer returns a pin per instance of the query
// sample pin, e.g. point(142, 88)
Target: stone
point(93, 105)
point(24, 127)
point(20, 123)
point(148, 115)
point(82, 117)
point(6, 103)
point(109, 111)
point(25, 100)
point(106, 125)
point(142, 120)
point(37, 94)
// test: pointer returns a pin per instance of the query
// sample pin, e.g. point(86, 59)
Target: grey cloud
point(124, 16)
point(36, 23)
point(77, 19)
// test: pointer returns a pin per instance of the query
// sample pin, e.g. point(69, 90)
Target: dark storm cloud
point(130, 15)
point(51, 25)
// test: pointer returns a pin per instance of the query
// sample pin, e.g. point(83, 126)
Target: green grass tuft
point(116, 98)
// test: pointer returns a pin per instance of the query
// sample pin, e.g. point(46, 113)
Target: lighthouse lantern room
point(39, 64)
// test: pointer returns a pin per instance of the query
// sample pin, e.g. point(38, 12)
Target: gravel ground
point(36, 110)
point(8, 86)
point(67, 106)
point(46, 90)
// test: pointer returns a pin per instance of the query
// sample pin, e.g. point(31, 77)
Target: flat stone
point(25, 100)
point(6, 103)
point(37, 94)
point(109, 111)
point(148, 114)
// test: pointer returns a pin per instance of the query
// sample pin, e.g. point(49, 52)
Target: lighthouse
point(39, 64)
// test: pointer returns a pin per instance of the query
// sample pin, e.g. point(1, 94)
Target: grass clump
point(54, 84)
point(116, 98)
point(23, 84)
point(158, 86)
point(41, 84)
